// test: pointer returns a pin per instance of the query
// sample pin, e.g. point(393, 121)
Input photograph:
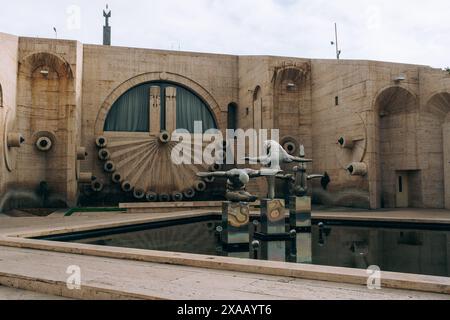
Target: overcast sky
point(390, 30)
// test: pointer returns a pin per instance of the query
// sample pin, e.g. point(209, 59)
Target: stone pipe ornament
point(101, 142)
point(200, 185)
point(189, 193)
point(177, 196)
point(44, 144)
point(126, 186)
point(85, 177)
point(15, 140)
point(164, 197)
point(139, 194)
point(237, 180)
point(117, 177)
point(346, 142)
point(82, 153)
point(97, 186)
point(357, 169)
point(164, 137)
point(151, 196)
point(109, 167)
point(299, 178)
point(104, 154)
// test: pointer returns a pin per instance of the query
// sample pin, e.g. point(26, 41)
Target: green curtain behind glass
point(190, 109)
point(130, 112)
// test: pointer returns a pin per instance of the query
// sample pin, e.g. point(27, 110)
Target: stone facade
point(392, 119)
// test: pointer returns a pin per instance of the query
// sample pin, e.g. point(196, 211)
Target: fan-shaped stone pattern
point(145, 163)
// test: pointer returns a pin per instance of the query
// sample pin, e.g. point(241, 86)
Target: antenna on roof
point(335, 43)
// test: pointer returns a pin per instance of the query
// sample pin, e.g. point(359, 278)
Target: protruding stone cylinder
point(357, 169)
point(44, 144)
point(210, 179)
point(126, 186)
point(164, 137)
point(200, 185)
point(346, 142)
point(189, 193)
point(139, 194)
point(104, 154)
point(96, 186)
point(109, 167)
point(117, 177)
point(177, 196)
point(85, 177)
point(81, 153)
point(164, 197)
point(151, 196)
point(101, 142)
point(15, 140)
point(290, 147)
point(215, 167)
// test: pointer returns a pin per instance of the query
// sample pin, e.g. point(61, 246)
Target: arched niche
point(292, 101)
point(45, 95)
point(398, 169)
point(232, 120)
point(436, 145)
point(257, 108)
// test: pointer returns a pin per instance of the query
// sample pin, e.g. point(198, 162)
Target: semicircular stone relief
point(143, 165)
point(352, 142)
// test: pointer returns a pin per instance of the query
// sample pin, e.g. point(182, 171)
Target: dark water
point(392, 249)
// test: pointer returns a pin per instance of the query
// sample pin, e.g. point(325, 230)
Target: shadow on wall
point(353, 198)
point(40, 197)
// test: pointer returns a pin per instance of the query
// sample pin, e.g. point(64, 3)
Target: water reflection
point(398, 250)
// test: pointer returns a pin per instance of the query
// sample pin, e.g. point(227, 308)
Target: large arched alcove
point(232, 121)
point(436, 145)
point(292, 103)
point(44, 101)
point(399, 175)
point(257, 108)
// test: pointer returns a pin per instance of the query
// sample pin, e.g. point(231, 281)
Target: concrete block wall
point(48, 104)
point(9, 46)
point(329, 99)
point(110, 71)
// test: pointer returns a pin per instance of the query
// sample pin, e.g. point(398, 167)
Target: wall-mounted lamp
point(399, 78)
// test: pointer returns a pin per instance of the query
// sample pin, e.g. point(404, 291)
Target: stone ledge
point(301, 271)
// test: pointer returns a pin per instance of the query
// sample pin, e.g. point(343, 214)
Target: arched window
point(232, 116)
point(257, 108)
point(130, 113)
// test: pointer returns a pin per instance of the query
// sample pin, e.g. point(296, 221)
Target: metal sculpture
point(237, 180)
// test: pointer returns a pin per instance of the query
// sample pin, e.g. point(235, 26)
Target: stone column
point(300, 221)
point(235, 228)
point(446, 151)
point(155, 110)
point(171, 109)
